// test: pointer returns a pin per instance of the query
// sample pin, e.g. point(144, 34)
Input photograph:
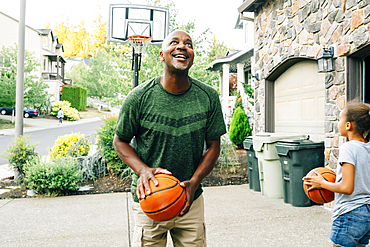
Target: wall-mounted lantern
point(325, 60)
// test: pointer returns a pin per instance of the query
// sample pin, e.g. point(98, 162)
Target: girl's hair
point(359, 113)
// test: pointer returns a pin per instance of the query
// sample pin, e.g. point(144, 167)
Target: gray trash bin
point(297, 158)
point(268, 162)
point(253, 173)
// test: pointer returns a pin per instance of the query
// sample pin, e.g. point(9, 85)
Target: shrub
point(239, 127)
point(238, 102)
point(69, 112)
point(249, 91)
point(228, 154)
point(72, 145)
point(91, 166)
point(76, 96)
point(19, 152)
point(52, 178)
point(105, 145)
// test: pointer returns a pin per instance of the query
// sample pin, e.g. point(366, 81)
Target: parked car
point(27, 111)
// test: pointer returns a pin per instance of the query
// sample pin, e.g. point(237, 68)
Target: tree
point(217, 50)
point(76, 40)
point(239, 127)
point(98, 38)
point(206, 51)
point(34, 88)
point(102, 78)
point(111, 63)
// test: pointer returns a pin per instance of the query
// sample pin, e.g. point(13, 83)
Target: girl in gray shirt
point(351, 213)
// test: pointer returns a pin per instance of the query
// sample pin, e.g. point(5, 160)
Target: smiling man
point(171, 116)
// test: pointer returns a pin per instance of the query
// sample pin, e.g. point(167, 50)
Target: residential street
point(46, 132)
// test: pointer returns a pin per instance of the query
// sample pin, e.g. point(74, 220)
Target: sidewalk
point(235, 216)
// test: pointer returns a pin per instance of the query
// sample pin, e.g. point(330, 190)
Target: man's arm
point(205, 167)
point(128, 155)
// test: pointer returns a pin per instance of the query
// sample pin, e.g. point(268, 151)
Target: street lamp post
point(20, 71)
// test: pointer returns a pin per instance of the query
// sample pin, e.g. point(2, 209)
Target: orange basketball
point(165, 200)
point(321, 195)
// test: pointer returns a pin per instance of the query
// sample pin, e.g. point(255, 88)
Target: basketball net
point(139, 43)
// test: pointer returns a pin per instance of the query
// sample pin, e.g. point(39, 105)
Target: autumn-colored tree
point(77, 41)
point(98, 39)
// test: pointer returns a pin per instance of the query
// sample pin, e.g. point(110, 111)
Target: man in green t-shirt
point(172, 117)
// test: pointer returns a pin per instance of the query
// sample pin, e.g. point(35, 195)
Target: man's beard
point(181, 67)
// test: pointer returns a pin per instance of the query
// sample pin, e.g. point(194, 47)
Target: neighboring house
point(290, 95)
point(241, 63)
point(74, 61)
point(45, 47)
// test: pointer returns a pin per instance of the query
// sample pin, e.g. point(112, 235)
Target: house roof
point(46, 32)
point(17, 21)
point(52, 56)
point(79, 59)
point(250, 5)
point(233, 57)
point(60, 45)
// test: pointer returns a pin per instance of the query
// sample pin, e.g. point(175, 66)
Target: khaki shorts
point(188, 230)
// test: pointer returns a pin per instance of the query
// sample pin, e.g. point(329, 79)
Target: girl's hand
point(314, 182)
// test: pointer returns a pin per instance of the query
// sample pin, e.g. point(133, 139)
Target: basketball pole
point(136, 68)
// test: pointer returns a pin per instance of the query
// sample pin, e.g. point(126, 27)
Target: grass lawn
point(7, 124)
point(89, 113)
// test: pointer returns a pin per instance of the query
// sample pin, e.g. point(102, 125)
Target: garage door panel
point(294, 113)
point(281, 111)
point(308, 109)
point(300, 101)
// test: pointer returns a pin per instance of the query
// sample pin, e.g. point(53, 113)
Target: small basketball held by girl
point(351, 212)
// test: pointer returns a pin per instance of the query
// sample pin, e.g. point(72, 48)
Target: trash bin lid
point(262, 138)
point(285, 145)
point(248, 143)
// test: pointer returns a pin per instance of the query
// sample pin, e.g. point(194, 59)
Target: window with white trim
point(45, 64)
point(45, 41)
point(4, 63)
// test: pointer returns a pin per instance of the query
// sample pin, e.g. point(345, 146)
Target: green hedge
point(76, 96)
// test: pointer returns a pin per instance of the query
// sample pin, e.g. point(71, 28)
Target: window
point(45, 64)
point(45, 41)
point(358, 75)
point(4, 63)
point(366, 84)
point(246, 33)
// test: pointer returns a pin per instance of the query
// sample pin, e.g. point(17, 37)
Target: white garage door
point(300, 101)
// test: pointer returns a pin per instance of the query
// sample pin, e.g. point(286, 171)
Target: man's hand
point(145, 175)
point(190, 188)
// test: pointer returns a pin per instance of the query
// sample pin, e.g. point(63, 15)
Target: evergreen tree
point(239, 127)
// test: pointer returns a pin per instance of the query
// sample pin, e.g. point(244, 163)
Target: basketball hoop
point(139, 42)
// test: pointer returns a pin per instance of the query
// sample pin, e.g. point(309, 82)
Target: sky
point(218, 15)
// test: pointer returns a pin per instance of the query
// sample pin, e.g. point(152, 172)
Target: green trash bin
point(269, 166)
point(253, 173)
point(297, 158)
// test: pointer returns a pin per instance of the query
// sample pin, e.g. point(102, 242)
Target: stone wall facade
point(301, 28)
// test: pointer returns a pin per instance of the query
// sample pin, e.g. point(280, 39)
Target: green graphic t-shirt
point(171, 129)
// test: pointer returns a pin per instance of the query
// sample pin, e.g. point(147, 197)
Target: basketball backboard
point(129, 19)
